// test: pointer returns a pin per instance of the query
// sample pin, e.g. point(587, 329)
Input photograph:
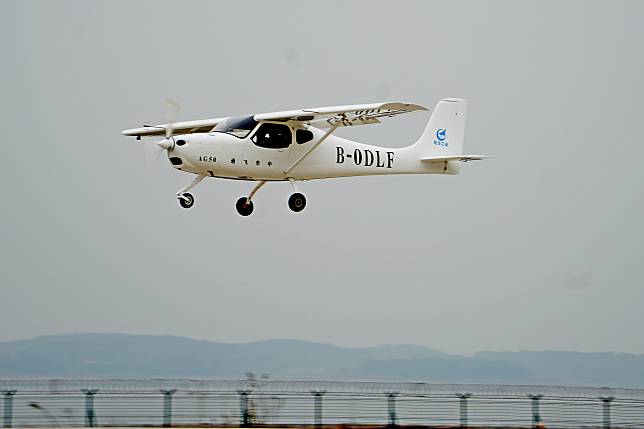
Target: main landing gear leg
point(296, 201)
point(245, 204)
point(186, 200)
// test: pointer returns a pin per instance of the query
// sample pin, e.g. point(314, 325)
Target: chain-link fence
point(282, 403)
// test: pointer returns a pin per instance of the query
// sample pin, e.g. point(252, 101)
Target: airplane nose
point(166, 144)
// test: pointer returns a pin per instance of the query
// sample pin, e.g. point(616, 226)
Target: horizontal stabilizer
point(462, 158)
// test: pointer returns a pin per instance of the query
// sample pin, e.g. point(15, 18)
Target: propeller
point(172, 108)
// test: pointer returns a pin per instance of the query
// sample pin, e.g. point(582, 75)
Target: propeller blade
point(172, 109)
point(158, 151)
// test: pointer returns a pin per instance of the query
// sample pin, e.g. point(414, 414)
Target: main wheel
point(297, 202)
point(186, 200)
point(244, 207)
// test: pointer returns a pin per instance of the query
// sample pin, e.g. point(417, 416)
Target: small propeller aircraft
point(298, 145)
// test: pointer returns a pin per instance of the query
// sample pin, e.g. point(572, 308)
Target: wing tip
point(403, 105)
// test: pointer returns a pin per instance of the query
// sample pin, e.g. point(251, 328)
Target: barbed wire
point(143, 386)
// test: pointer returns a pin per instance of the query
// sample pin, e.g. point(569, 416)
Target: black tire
point(244, 207)
point(297, 202)
point(187, 204)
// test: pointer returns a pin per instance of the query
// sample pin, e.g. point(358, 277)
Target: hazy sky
point(539, 248)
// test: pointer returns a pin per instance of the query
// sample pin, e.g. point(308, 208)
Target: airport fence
point(247, 403)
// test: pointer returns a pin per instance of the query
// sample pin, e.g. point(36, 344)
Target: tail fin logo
point(441, 135)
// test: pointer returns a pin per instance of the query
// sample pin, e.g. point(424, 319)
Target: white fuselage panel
point(223, 155)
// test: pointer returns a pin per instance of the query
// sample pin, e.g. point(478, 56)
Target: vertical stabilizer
point(445, 131)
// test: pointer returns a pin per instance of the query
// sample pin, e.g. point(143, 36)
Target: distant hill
point(565, 368)
point(147, 356)
point(120, 355)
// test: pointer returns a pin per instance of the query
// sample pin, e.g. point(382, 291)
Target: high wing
point(321, 117)
point(200, 126)
point(342, 116)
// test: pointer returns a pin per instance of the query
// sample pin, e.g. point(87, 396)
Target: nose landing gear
point(186, 200)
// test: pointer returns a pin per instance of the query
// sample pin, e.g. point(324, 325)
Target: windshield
point(238, 127)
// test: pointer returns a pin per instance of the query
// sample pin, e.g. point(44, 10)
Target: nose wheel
point(244, 206)
point(297, 202)
point(186, 200)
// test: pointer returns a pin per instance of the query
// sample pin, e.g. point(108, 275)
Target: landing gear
point(297, 202)
point(186, 200)
point(244, 206)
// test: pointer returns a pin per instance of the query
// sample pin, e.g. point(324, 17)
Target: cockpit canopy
point(239, 126)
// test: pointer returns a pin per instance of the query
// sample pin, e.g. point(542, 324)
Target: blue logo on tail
point(441, 135)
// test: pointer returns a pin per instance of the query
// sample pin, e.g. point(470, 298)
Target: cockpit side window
point(272, 136)
point(303, 136)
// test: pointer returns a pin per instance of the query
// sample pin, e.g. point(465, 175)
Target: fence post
point(8, 406)
point(463, 407)
point(606, 400)
point(90, 416)
point(317, 395)
point(536, 417)
point(167, 406)
point(246, 420)
point(391, 408)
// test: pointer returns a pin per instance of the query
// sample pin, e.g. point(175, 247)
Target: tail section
point(443, 137)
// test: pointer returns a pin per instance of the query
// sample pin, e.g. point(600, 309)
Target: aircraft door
point(270, 147)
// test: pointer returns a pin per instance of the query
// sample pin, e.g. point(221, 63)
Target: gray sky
point(539, 248)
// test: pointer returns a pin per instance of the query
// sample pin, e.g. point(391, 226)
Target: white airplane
point(298, 145)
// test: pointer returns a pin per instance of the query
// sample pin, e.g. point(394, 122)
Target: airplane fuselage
point(223, 155)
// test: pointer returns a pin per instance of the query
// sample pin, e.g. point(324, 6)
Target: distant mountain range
point(147, 356)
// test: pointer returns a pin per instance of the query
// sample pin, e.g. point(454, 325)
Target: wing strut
point(305, 154)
